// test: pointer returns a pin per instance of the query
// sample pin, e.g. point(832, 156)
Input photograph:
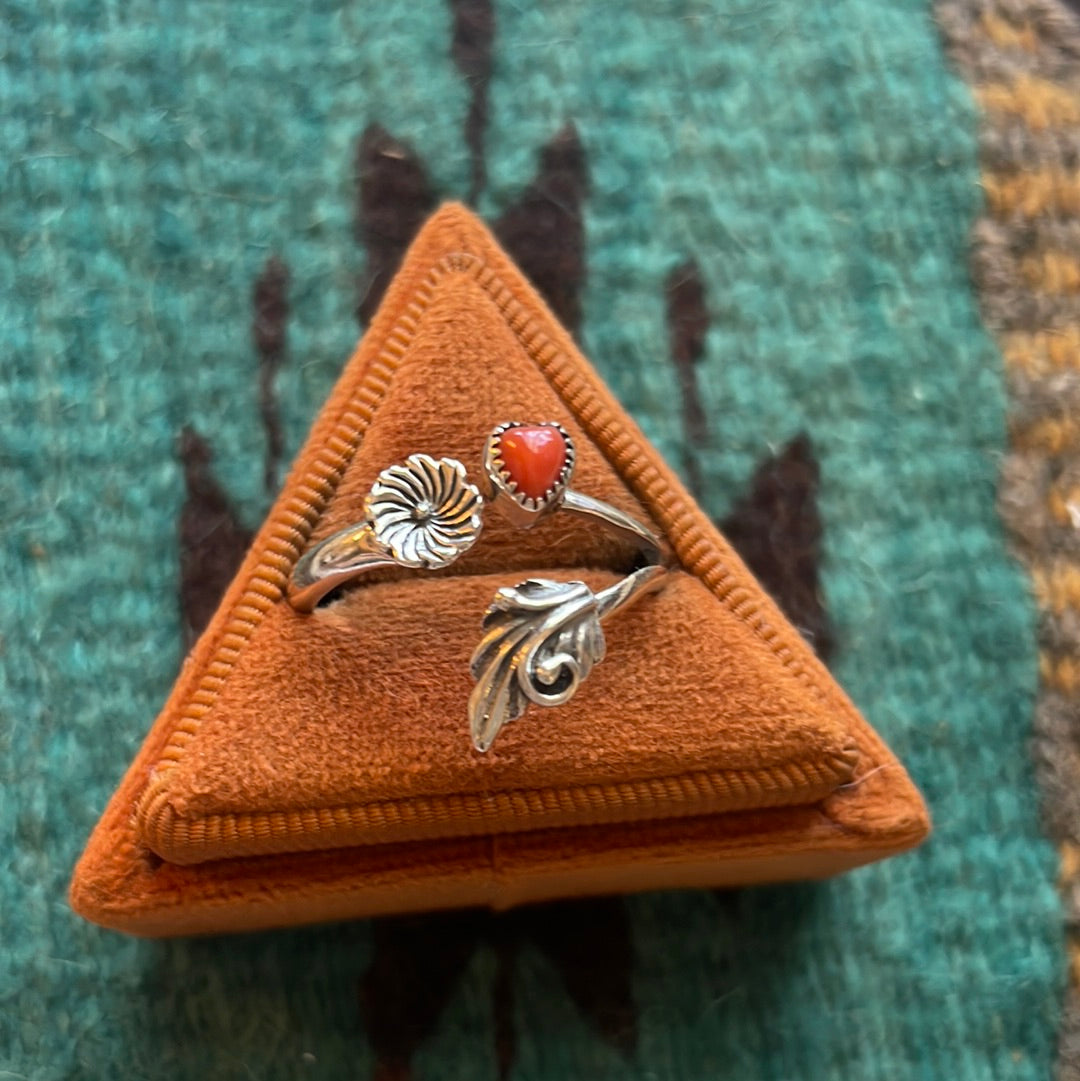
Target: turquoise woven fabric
point(816, 157)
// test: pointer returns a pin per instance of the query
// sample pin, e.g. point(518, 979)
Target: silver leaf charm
point(541, 639)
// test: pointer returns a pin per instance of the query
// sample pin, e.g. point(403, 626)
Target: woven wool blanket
point(761, 222)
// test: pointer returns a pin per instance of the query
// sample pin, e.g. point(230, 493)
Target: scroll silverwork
point(541, 639)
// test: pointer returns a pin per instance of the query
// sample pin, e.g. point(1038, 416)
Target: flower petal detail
point(424, 511)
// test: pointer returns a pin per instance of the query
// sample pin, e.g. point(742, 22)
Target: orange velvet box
point(317, 767)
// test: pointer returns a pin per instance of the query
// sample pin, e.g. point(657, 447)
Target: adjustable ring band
point(541, 637)
point(424, 513)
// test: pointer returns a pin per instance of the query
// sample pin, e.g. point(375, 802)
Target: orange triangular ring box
point(318, 766)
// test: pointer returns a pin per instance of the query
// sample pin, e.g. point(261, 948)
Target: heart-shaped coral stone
point(533, 456)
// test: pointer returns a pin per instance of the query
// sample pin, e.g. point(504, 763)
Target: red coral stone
point(533, 456)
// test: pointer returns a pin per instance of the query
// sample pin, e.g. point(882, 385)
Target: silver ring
point(541, 637)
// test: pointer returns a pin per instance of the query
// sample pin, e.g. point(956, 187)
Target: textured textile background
point(756, 217)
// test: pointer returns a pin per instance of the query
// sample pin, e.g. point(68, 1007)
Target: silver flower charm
point(424, 512)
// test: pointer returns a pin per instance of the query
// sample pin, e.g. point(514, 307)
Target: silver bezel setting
point(523, 509)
